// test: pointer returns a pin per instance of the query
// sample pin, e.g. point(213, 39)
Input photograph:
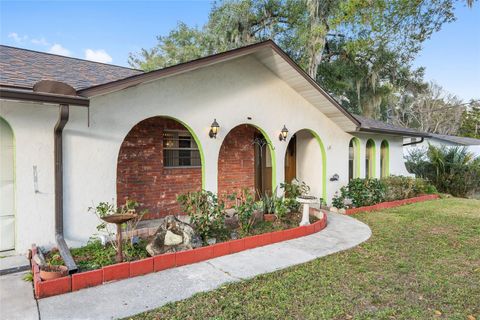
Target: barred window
point(180, 150)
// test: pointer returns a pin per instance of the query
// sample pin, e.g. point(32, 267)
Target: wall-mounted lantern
point(283, 134)
point(214, 129)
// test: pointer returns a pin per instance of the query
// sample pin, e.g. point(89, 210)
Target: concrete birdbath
point(119, 219)
point(306, 201)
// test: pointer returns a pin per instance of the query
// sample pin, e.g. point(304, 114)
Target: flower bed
point(125, 270)
point(391, 204)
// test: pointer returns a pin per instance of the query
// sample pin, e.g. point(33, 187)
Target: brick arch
point(236, 161)
point(142, 175)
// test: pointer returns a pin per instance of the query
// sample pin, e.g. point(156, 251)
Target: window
point(384, 159)
point(351, 153)
point(370, 159)
point(180, 150)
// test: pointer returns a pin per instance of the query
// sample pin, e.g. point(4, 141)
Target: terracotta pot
point(270, 217)
point(53, 272)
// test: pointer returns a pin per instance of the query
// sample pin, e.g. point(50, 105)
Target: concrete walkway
point(131, 296)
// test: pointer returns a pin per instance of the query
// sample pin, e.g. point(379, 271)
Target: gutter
point(58, 154)
point(24, 95)
point(394, 132)
point(415, 142)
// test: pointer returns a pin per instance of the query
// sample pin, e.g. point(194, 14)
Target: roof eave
point(395, 132)
point(24, 95)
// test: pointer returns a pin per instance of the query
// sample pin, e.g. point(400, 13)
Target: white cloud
point(58, 49)
point(98, 55)
point(42, 41)
point(17, 38)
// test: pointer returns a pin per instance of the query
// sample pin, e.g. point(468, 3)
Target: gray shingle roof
point(458, 140)
point(368, 124)
point(23, 68)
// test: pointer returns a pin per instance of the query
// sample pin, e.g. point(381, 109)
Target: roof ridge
point(66, 57)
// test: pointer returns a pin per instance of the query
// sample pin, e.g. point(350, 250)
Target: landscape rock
point(171, 236)
point(172, 239)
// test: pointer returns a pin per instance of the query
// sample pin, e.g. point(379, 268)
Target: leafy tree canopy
point(360, 51)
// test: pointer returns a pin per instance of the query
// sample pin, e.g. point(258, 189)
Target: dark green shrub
point(206, 212)
point(400, 187)
point(361, 192)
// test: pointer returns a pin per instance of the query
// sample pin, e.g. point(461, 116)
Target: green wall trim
point(272, 154)
point(324, 164)
point(385, 171)
point(356, 150)
point(373, 155)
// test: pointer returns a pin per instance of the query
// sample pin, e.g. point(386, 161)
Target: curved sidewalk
point(131, 296)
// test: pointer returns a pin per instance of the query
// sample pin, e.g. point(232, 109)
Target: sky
point(107, 31)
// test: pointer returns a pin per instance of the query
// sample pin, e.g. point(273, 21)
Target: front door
point(7, 197)
point(291, 160)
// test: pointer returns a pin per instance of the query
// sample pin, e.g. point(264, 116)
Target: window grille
point(180, 150)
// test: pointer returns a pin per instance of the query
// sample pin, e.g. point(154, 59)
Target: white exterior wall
point(32, 126)
point(229, 92)
point(309, 162)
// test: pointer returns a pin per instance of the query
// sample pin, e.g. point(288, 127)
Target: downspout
point(58, 153)
point(415, 142)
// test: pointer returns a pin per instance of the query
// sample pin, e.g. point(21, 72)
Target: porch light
point(283, 134)
point(214, 129)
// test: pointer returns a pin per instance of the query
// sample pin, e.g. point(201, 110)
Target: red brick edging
point(392, 204)
point(131, 269)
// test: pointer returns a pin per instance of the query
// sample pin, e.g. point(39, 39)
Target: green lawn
point(422, 262)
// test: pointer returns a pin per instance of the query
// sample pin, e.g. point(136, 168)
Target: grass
point(422, 262)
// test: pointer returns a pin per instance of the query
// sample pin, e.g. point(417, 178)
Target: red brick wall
point(236, 161)
point(141, 175)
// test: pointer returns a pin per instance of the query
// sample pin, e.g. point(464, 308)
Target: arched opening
point(159, 159)
point(370, 159)
point(384, 159)
point(246, 160)
point(354, 159)
point(7, 187)
point(305, 160)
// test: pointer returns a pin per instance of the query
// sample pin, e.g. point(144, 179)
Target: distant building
point(438, 140)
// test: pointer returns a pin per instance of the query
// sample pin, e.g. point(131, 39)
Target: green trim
point(373, 156)
point(385, 171)
point(15, 226)
point(356, 154)
point(272, 154)
point(324, 164)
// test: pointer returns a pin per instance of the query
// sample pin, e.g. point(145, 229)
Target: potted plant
point(54, 268)
point(49, 272)
point(268, 207)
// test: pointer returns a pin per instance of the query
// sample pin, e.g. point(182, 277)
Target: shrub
point(452, 170)
point(361, 192)
point(245, 209)
point(293, 190)
point(206, 212)
point(400, 187)
point(281, 208)
point(367, 192)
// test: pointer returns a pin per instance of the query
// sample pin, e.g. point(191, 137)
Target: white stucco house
point(442, 140)
point(76, 132)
